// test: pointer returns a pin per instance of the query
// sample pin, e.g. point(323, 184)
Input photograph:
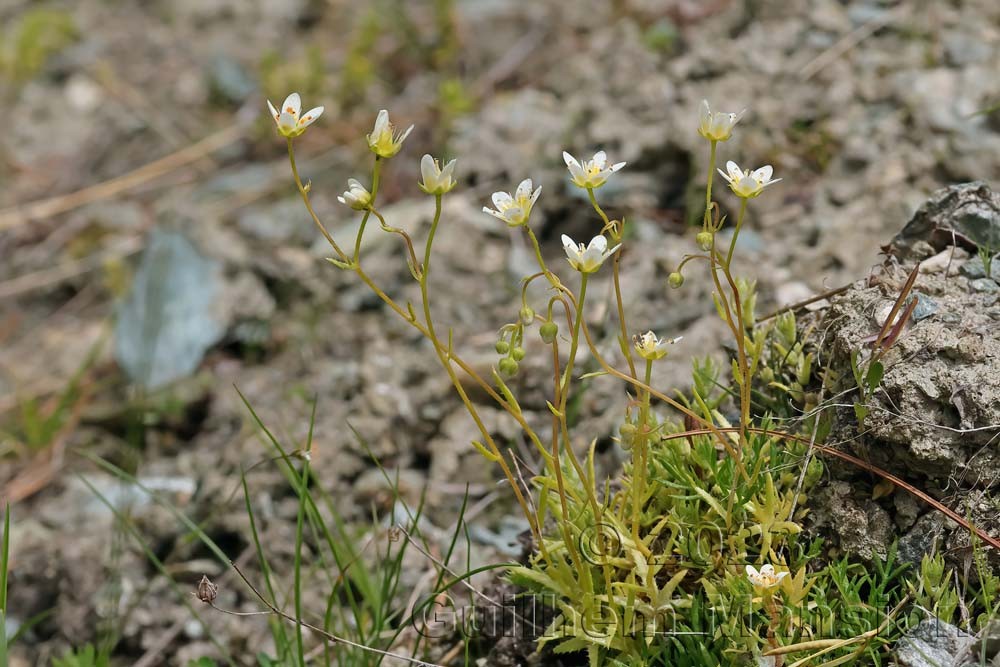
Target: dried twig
point(22, 213)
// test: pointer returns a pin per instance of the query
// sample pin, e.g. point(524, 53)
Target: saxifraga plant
point(663, 568)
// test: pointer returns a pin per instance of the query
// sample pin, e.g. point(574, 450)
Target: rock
point(968, 213)
point(229, 80)
point(863, 529)
point(166, 324)
point(933, 643)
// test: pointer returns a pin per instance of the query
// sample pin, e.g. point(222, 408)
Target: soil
point(863, 108)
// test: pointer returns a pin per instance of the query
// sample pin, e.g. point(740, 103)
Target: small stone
point(987, 285)
point(931, 644)
point(925, 307)
point(950, 259)
point(229, 80)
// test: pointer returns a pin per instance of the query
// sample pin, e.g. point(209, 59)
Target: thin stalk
point(736, 232)
point(298, 564)
point(639, 456)
point(708, 189)
point(617, 232)
point(305, 199)
point(551, 277)
point(445, 361)
point(376, 175)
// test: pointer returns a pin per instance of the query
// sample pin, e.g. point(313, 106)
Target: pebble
point(925, 307)
point(987, 285)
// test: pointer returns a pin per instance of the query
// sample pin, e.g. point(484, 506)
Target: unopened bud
point(503, 347)
point(704, 240)
point(207, 591)
point(517, 353)
point(527, 315)
point(675, 280)
point(508, 367)
point(549, 331)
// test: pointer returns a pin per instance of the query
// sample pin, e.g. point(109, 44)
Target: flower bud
point(675, 279)
point(508, 367)
point(527, 315)
point(502, 347)
point(704, 240)
point(517, 353)
point(549, 331)
point(207, 591)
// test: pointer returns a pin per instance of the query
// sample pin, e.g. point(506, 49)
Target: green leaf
point(874, 376)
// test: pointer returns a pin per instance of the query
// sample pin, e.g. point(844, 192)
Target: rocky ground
point(864, 108)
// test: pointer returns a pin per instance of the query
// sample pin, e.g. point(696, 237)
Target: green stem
point(736, 232)
point(303, 491)
point(551, 277)
point(376, 176)
point(708, 190)
point(574, 341)
point(600, 211)
point(639, 456)
point(305, 199)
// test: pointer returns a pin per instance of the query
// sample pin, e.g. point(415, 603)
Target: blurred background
point(155, 252)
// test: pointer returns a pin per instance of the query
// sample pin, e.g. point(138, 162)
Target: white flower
point(514, 210)
point(766, 577)
point(652, 348)
point(357, 197)
point(437, 181)
point(384, 140)
point(717, 126)
point(288, 121)
point(587, 259)
point(745, 183)
point(593, 173)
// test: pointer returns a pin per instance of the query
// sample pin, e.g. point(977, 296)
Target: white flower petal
point(310, 116)
point(429, 171)
point(598, 243)
point(764, 173)
point(502, 200)
point(286, 121)
point(274, 112)
point(381, 122)
point(600, 159)
point(534, 195)
point(570, 160)
point(292, 105)
point(404, 135)
point(616, 167)
point(523, 190)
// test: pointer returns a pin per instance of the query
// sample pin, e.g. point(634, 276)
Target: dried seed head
point(207, 591)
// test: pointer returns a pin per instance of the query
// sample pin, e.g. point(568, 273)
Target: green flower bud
point(503, 347)
point(517, 353)
point(675, 280)
point(508, 367)
point(704, 240)
point(549, 331)
point(527, 315)
point(628, 429)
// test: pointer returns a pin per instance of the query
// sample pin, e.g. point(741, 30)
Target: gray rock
point(987, 285)
point(968, 214)
point(229, 80)
point(933, 643)
point(167, 322)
